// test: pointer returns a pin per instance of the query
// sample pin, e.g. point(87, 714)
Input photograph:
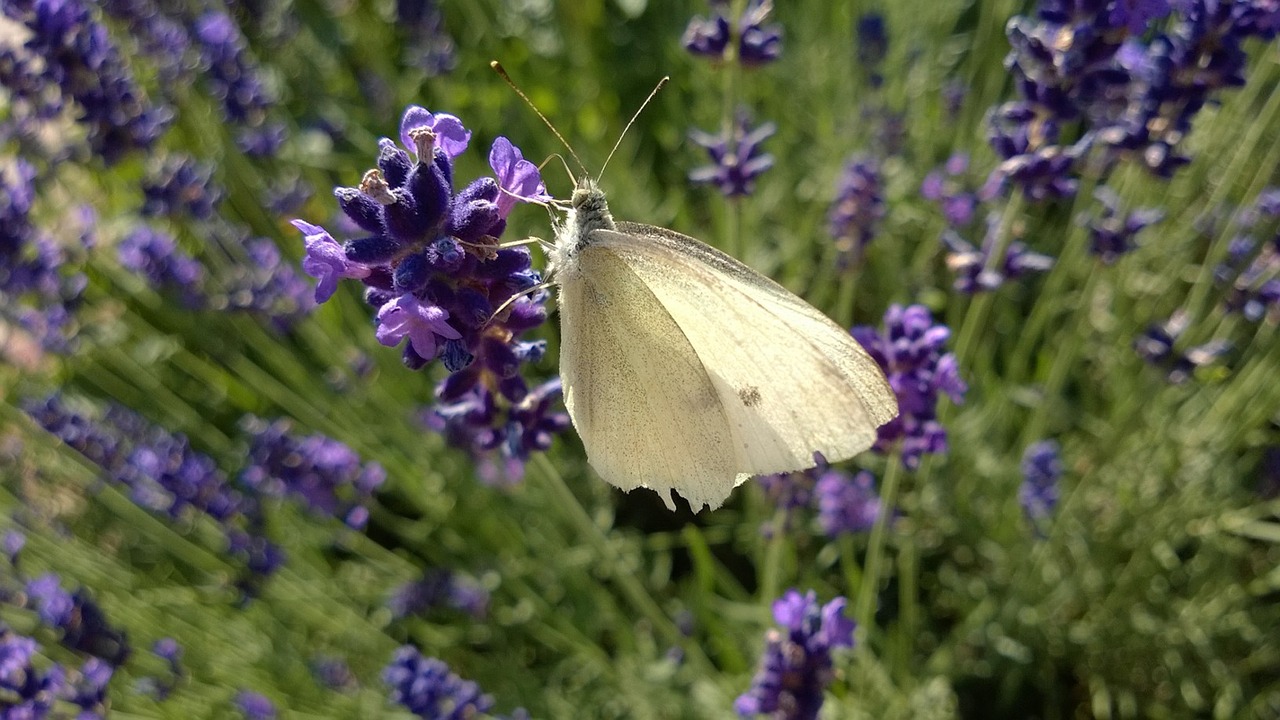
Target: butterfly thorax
point(589, 211)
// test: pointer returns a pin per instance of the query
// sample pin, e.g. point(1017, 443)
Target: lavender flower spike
point(796, 666)
point(326, 261)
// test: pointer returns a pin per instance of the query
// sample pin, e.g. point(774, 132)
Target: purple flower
point(1136, 15)
point(429, 43)
point(518, 179)
point(846, 504)
point(255, 706)
point(429, 689)
point(872, 45)
point(29, 693)
point(1156, 345)
point(942, 187)
point(53, 604)
point(855, 215)
point(796, 666)
point(975, 269)
point(407, 316)
point(735, 156)
point(324, 474)
point(179, 186)
point(82, 623)
point(11, 543)
point(1111, 234)
point(81, 64)
point(229, 71)
point(437, 273)
point(439, 588)
point(156, 255)
point(326, 260)
point(1041, 469)
point(266, 284)
point(422, 132)
point(910, 351)
point(758, 43)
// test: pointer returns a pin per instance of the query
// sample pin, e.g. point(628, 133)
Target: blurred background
point(239, 481)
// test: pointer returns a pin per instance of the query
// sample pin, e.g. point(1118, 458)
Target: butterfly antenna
point(513, 298)
point(631, 122)
point(497, 67)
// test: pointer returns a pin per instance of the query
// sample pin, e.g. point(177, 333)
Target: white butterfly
point(685, 370)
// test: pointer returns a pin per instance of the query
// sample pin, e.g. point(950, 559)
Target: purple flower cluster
point(796, 666)
point(162, 473)
point(747, 40)
point(267, 284)
point(432, 265)
point(80, 623)
point(872, 45)
point(1157, 344)
point(855, 215)
point(1083, 70)
point(1251, 272)
point(229, 69)
point(31, 693)
point(1111, 234)
point(975, 268)
point(430, 690)
point(255, 706)
point(40, 286)
point(945, 186)
point(81, 65)
point(736, 159)
point(1041, 469)
point(910, 351)
point(430, 47)
point(845, 503)
point(180, 186)
point(439, 588)
point(323, 474)
point(156, 256)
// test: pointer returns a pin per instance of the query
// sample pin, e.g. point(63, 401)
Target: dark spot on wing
point(750, 395)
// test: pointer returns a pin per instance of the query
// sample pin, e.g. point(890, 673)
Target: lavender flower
point(430, 46)
point(757, 43)
point(479, 421)
point(268, 285)
point(974, 267)
point(17, 195)
point(846, 504)
point(81, 63)
point(180, 186)
point(255, 706)
point(439, 588)
point(787, 492)
point(1111, 234)
point(428, 689)
point(432, 265)
point(82, 624)
point(1041, 469)
point(1156, 345)
point(943, 186)
point(1250, 274)
point(11, 544)
point(29, 693)
point(872, 46)
point(910, 351)
point(323, 474)
point(736, 160)
point(156, 256)
point(855, 215)
point(229, 70)
point(796, 666)
point(161, 472)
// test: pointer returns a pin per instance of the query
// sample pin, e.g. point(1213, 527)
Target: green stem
point(865, 608)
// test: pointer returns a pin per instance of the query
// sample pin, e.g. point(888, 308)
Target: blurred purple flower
point(1041, 469)
point(855, 215)
point(758, 43)
point(796, 666)
point(735, 156)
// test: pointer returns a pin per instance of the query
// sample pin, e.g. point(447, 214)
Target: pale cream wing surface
point(647, 411)
point(790, 381)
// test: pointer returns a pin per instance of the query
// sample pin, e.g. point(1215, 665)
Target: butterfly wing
point(790, 381)
point(648, 413)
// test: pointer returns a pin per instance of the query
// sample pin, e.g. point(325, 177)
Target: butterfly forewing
point(641, 400)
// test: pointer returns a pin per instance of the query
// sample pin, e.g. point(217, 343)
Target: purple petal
point(451, 136)
point(519, 179)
